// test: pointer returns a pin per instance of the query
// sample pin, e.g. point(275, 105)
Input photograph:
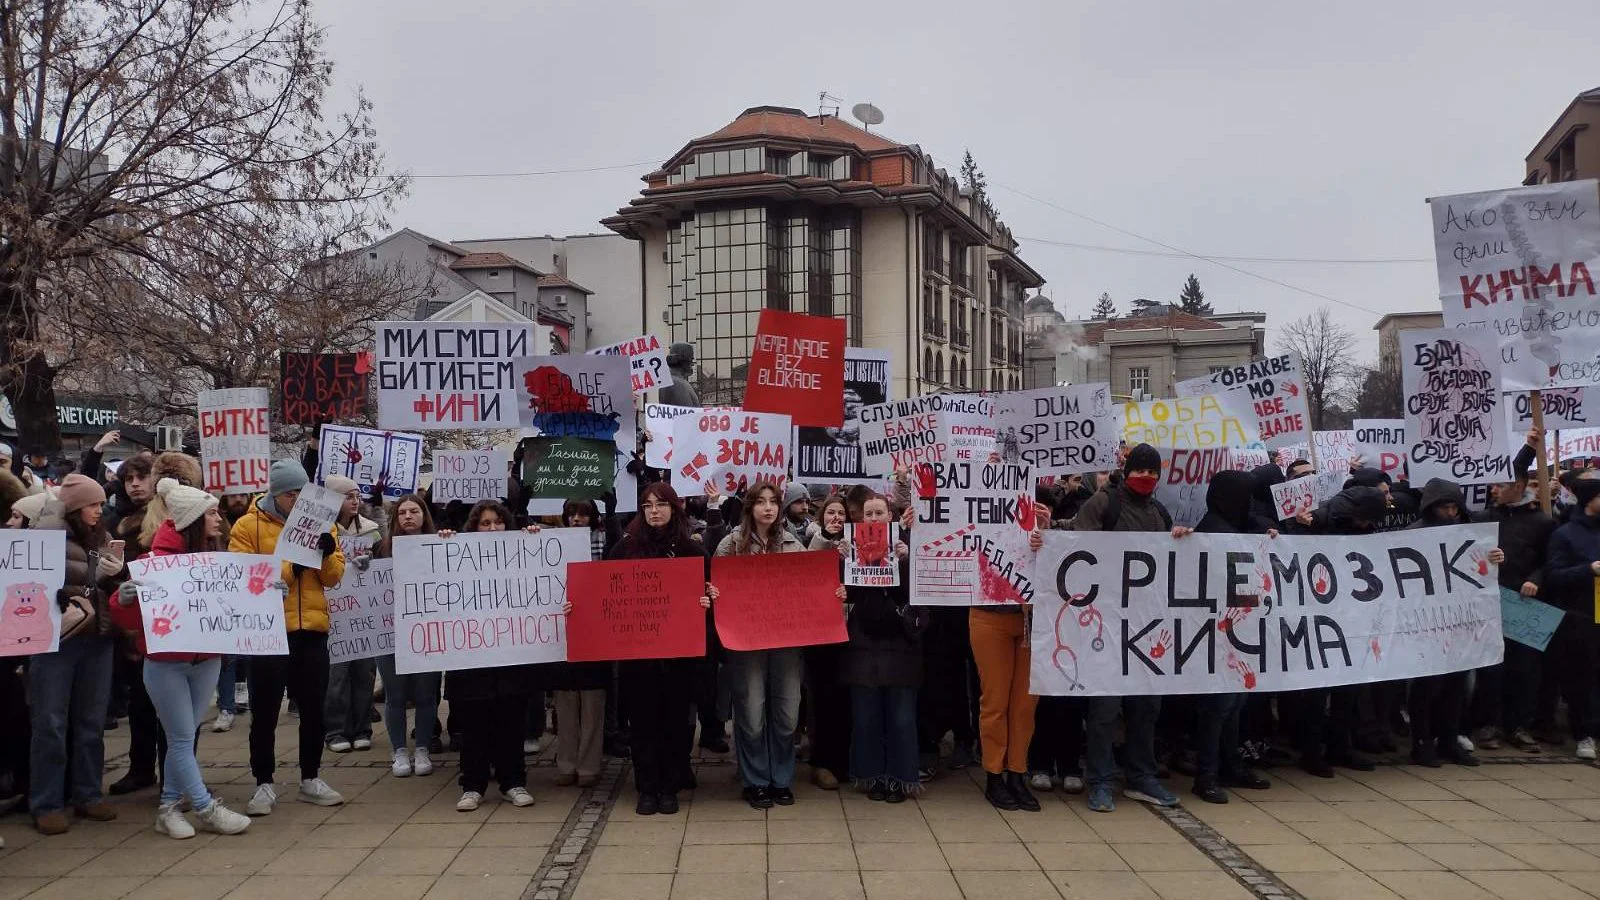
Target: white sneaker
point(530, 746)
point(519, 797)
point(170, 822)
point(316, 791)
point(262, 801)
point(1465, 743)
point(1071, 784)
point(1039, 781)
point(241, 696)
point(402, 764)
point(421, 764)
point(222, 820)
point(361, 744)
point(469, 801)
point(1586, 748)
point(223, 723)
point(339, 745)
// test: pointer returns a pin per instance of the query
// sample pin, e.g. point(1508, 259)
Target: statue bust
point(681, 392)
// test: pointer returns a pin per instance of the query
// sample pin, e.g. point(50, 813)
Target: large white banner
point(447, 376)
point(970, 546)
point(1057, 430)
point(730, 447)
point(587, 397)
point(235, 439)
point(210, 603)
point(1275, 391)
point(1121, 614)
point(33, 567)
point(1454, 410)
point(492, 598)
point(361, 612)
point(1520, 263)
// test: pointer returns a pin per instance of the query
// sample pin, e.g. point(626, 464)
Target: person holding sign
point(489, 702)
point(304, 672)
point(1572, 582)
point(180, 684)
point(827, 696)
point(409, 516)
point(348, 709)
point(580, 687)
point(766, 683)
point(656, 693)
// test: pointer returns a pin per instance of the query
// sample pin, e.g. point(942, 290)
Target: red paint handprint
point(1377, 649)
point(1232, 617)
point(1322, 582)
point(1246, 674)
point(1159, 648)
point(1266, 582)
point(164, 621)
point(259, 573)
point(927, 485)
point(364, 362)
point(1482, 559)
point(1025, 512)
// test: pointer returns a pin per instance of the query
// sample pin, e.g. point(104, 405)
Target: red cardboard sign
point(636, 609)
point(797, 368)
point(772, 600)
point(324, 387)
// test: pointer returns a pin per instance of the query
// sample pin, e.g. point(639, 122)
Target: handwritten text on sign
point(647, 362)
point(731, 448)
point(584, 397)
point(368, 457)
point(902, 433)
point(1380, 444)
point(797, 367)
point(1519, 264)
point(210, 603)
point(314, 512)
point(469, 475)
point(1275, 391)
point(1185, 476)
point(1057, 430)
point(1188, 422)
point(971, 543)
point(1219, 612)
point(473, 601)
point(1563, 408)
point(324, 387)
point(235, 441)
point(871, 560)
point(1306, 493)
point(1454, 418)
point(445, 376)
point(658, 418)
point(33, 567)
point(361, 613)
point(750, 615)
point(636, 609)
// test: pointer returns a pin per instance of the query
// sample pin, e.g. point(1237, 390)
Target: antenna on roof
point(867, 114)
point(824, 99)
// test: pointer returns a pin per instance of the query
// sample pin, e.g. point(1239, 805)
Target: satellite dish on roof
point(867, 114)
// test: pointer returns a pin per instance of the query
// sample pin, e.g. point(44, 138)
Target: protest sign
point(584, 397)
point(870, 559)
point(1185, 476)
point(730, 447)
point(797, 368)
point(1335, 449)
point(368, 457)
point(210, 603)
point(450, 375)
point(1563, 408)
point(1306, 493)
point(1243, 459)
point(489, 598)
point(903, 433)
point(969, 426)
point(750, 615)
point(636, 609)
point(1196, 423)
point(469, 475)
point(361, 612)
point(1212, 613)
point(1057, 430)
point(1519, 264)
point(33, 567)
point(1580, 443)
point(314, 512)
point(1454, 414)
point(971, 548)
point(1286, 455)
point(647, 362)
point(658, 419)
point(556, 470)
point(829, 455)
point(1528, 621)
point(1381, 444)
point(1274, 390)
point(323, 387)
point(235, 441)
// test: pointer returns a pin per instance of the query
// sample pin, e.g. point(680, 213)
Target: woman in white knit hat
point(180, 684)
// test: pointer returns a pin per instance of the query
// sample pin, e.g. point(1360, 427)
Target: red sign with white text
point(752, 615)
point(636, 609)
point(797, 368)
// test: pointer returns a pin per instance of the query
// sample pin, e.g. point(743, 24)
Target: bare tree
point(1326, 351)
point(1380, 395)
point(168, 172)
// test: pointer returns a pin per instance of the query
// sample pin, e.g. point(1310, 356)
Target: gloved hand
point(326, 544)
point(128, 593)
point(109, 566)
point(361, 561)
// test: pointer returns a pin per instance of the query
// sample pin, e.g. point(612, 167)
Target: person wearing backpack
point(1127, 505)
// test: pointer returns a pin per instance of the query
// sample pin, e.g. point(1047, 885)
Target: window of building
point(938, 367)
point(927, 363)
point(833, 168)
point(494, 273)
point(1139, 379)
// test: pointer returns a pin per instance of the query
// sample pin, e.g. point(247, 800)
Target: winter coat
point(1228, 505)
point(1339, 514)
point(167, 542)
point(493, 683)
point(885, 647)
point(81, 579)
point(1435, 492)
point(1137, 514)
point(1525, 532)
point(305, 604)
point(1263, 512)
point(787, 543)
point(1569, 582)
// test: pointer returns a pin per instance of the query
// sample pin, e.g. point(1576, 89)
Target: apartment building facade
point(1570, 148)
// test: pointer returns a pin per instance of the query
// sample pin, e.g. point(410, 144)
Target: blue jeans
point(1139, 729)
point(883, 737)
point(766, 710)
point(348, 710)
point(422, 689)
point(233, 671)
point(181, 692)
point(71, 686)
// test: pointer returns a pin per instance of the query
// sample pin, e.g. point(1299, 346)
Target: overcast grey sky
point(1248, 129)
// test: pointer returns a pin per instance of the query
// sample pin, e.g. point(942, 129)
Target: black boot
point(1000, 796)
point(1423, 753)
point(129, 783)
point(1017, 783)
point(1206, 789)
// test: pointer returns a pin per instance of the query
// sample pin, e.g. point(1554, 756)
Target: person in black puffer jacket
point(1570, 573)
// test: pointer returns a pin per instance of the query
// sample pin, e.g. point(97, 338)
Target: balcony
point(997, 354)
point(961, 338)
point(933, 328)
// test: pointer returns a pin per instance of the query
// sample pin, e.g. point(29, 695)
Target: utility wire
point(632, 165)
point(1261, 259)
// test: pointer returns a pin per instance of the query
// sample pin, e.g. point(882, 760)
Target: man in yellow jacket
point(304, 672)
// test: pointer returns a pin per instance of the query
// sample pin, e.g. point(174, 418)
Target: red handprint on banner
point(259, 573)
point(927, 485)
point(164, 621)
point(1163, 641)
point(1246, 674)
point(1025, 512)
